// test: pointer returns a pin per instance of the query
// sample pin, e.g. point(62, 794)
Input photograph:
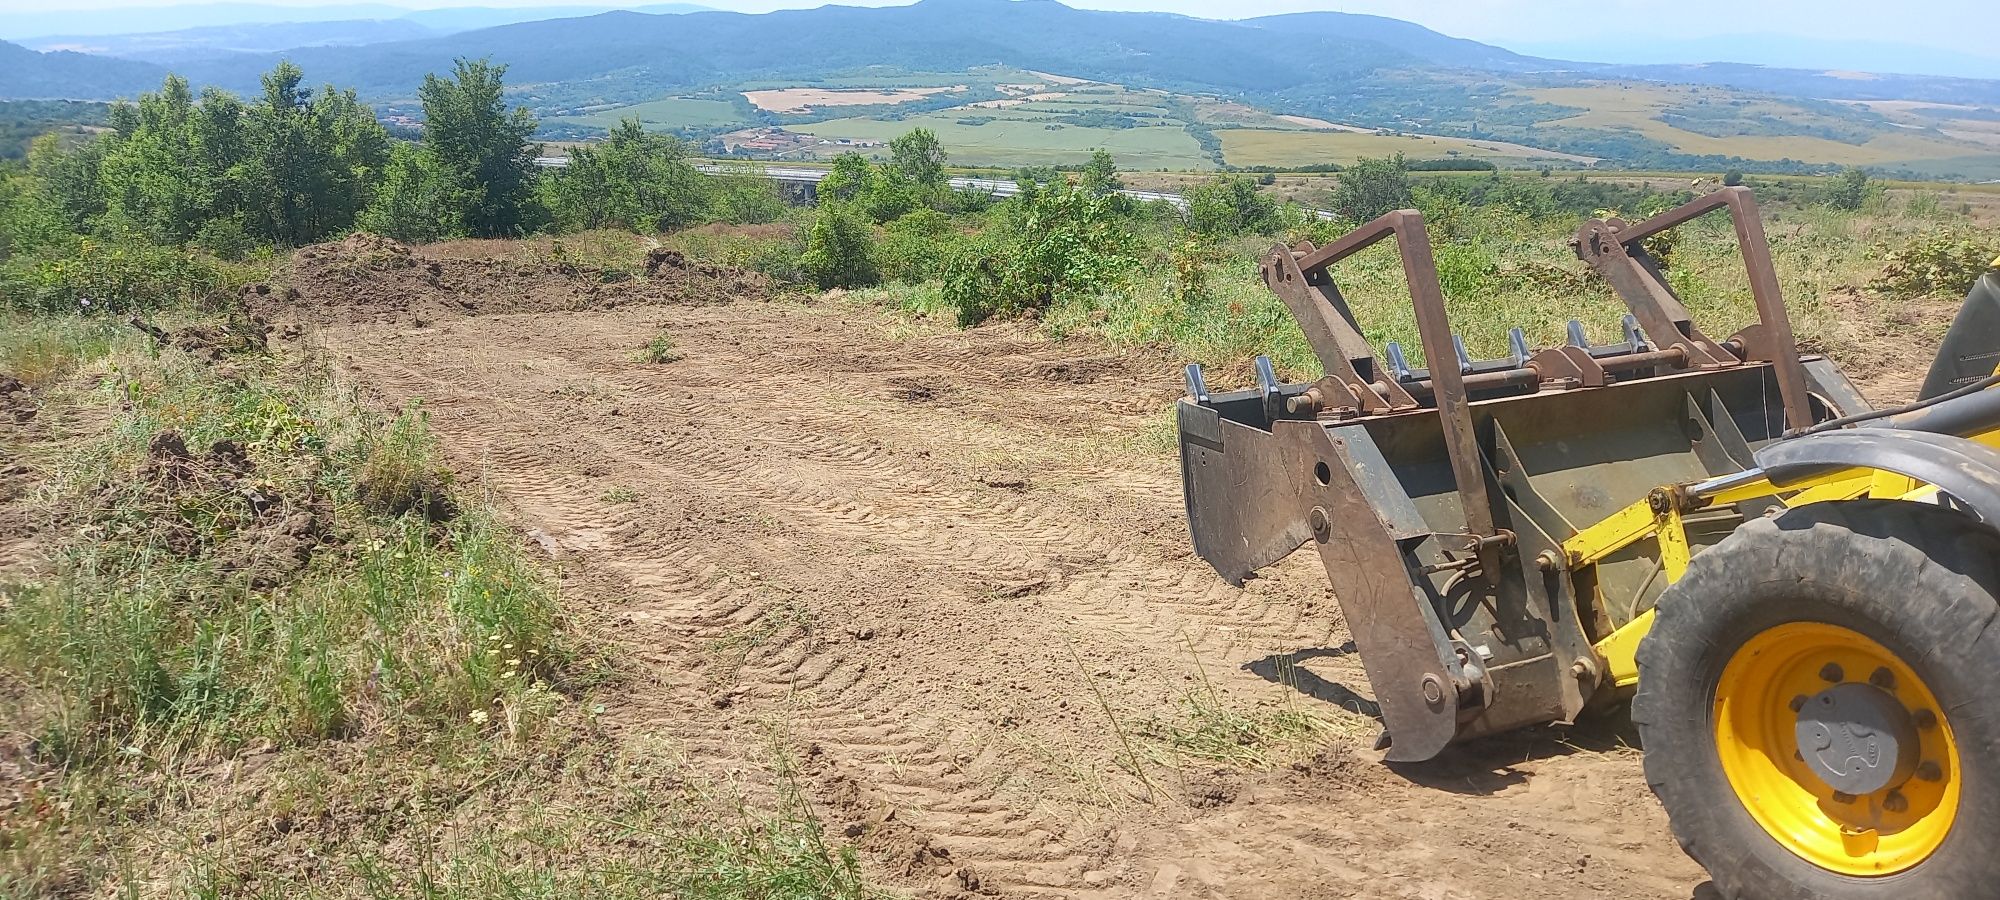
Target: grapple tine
point(1464, 358)
point(1399, 365)
point(1633, 335)
point(1576, 336)
point(1517, 342)
point(1267, 387)
point(1197, 387)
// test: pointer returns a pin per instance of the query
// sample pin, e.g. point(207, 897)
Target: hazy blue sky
point(1962, 25)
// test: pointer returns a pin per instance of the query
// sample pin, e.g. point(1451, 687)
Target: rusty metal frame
point(1616, 250)
point(1413, 245)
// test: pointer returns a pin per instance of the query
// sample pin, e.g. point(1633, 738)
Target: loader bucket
point(1439, 498)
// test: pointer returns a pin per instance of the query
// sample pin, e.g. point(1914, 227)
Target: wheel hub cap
point(1857, 738)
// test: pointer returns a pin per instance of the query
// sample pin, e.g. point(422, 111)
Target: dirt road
point(951, 565)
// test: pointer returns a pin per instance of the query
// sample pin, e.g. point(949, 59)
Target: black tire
point(1918, 579)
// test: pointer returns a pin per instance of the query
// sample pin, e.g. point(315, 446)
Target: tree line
point(296, 166)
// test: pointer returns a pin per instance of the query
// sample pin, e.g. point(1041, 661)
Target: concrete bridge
point(805, 182)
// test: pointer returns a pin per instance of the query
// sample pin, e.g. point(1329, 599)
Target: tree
point(71, 183)
point(164, 177)
point(1850, 190)
point(469, 131)
point(418, 199)
point(1228, 206)
point(633, 179)
point(850, 177)
point(1373, 187)
point(310, 160)
point(1100, 175)
point(917, 158)
point(840, 250)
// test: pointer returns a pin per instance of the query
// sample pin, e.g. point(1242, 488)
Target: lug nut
point(1842, 797)
point(1929, 770)
point(1798, 703)
point(1882, 678)
point(1925, 719)
point(1896, 802)
point(1832, 672)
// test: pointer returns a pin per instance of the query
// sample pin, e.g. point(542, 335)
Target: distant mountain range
point(29, 28)
point(1367, 70)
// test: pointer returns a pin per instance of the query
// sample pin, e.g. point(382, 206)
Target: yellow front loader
point(1796, 593)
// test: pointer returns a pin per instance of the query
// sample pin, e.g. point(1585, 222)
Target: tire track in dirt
point(901, 762)
point(800, 543)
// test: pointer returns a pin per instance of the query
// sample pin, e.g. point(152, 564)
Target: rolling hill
point(1352, 70)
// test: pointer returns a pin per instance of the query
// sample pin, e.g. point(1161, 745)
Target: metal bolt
point(1929, 770)
point(1583, 668)
point(1896, 802)
point(1798, 703)
point(1317, 519)
point(1882, 678)
point(1842, 797)
point(1433, 690)
point(1832, 672)
point(1926, 719)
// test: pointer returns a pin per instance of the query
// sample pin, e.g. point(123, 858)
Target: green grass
point(199, 708)
point(666, 114)
point(659, 350)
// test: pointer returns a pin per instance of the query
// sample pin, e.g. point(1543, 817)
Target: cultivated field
point(798, 100)
point(1260, 147)
point(1638, 108)
point(669, 114)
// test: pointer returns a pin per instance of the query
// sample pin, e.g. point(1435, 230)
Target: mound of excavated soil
point(368, 278)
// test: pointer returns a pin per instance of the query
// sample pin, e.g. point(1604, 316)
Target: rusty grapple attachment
point(1439, 498)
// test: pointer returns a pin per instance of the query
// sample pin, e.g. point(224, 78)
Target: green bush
point(1229, 206)
point(840, 249)
point(96, 275)
point(1940, 264)
point(1055, 241)
point(918, 247)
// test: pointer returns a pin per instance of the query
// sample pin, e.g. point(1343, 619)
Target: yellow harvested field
point(1320, 124)
point(1634, 107)
point(793, 100)
point(1014, 101)
point(1058, 79)
point(1261, 147)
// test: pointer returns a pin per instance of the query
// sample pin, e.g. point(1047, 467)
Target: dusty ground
point(952, 565)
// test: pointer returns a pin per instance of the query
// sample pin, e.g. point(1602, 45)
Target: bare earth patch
point(953, 564)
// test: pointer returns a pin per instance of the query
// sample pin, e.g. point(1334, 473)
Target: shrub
point(1944, 263)
point(918, 247)
point(1850, 191)
point(1057, 240)
point(225, 240)
point(840, 249)
point(1229, 206)
point(111, 276)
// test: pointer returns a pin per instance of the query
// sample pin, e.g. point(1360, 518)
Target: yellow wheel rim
point(1881, 833)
